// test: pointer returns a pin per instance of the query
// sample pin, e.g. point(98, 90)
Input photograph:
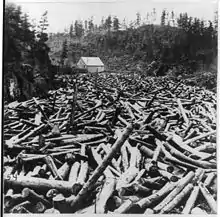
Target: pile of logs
point(112, 144)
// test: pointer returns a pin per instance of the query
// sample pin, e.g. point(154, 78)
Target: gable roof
point(92, 61)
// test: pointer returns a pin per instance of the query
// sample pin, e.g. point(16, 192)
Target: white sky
point(62, 13)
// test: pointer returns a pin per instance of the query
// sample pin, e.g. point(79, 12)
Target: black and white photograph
point(109, 107)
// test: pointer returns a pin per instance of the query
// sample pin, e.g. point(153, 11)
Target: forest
point(188, 45)
point(26, 60)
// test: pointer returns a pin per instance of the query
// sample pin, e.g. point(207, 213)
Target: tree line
point(178, 39)
point(25, 47)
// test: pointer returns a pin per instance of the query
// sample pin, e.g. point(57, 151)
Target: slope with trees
point(185, 43)
point(26, 58)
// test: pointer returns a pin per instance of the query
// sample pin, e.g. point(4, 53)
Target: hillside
point(186, 50)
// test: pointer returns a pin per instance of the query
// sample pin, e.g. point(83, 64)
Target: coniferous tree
point(138, 19)
point(163, 18)
point(71, 31)
point(79, 31)
point(124, 25)
point(102, 23)
point(116, 24)
point(216, 20)
point(64, 52)
point(86, 25)
point(108, 23)
point(42, 27)
point(91, 25)
point(172, 18)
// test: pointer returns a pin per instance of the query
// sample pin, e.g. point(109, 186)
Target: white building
point(92, 64)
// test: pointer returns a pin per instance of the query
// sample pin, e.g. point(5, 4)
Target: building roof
point(92, 61)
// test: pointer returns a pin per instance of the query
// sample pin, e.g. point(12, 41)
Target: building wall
point(81, 64)
point(93, 69)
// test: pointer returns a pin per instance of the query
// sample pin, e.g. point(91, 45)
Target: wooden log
point(208, 148)
point(126, 177)
point(97, 173)
point(209, 179)
point(39, 208)
point(124, 158)
point(59, 202)
point(73, 175)
point(152, 199)
point(210, 200)
point(51, 165)
point(204, 135)
point(182, 111)
point(126, 205)
point(168, 175)
point(149, 211)
point(191, 200)
point(198, 211)
point(17, 140)
point(39, 184)
point(179, 155)
point(106, 192)
point(63, 171)
point(12, 201)
point(180, 185)
point(25, 206)
point(31, 195)
point(52, 211)
point(107, 150)
point(40, 108)
point(84, 168)
point(20, 209)
point(186, 190)
point(146, 151)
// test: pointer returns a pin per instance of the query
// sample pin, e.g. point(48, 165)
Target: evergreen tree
point(71, 31)
point(108, 23)
point(163, 18)
point(86, 25)
point(22, 45)
point(172, 18)
point(116, 24)
point(103, 23)
point(216, 20)
point(138, 19)
point(91, 25)
point(42, 27)
point(64, 53)
point(124, 25)
point(154, 15)
point(148, 18)
point(79, 31)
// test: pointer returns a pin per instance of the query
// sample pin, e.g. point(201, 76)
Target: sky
point(61, 13)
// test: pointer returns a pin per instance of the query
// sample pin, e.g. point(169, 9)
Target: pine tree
point(154, 15)
point(79, 31)
point(216, 20)
point(173, 18)
point(64, 52)
point(71, 31)
point(91, 25)
point(86, 25)
point(147, 18)
point(103, 23)
point(42, 27)
point(138, 19)
point(108, 23)
point(116, 24)
point(124, 25)
point(163, 18)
